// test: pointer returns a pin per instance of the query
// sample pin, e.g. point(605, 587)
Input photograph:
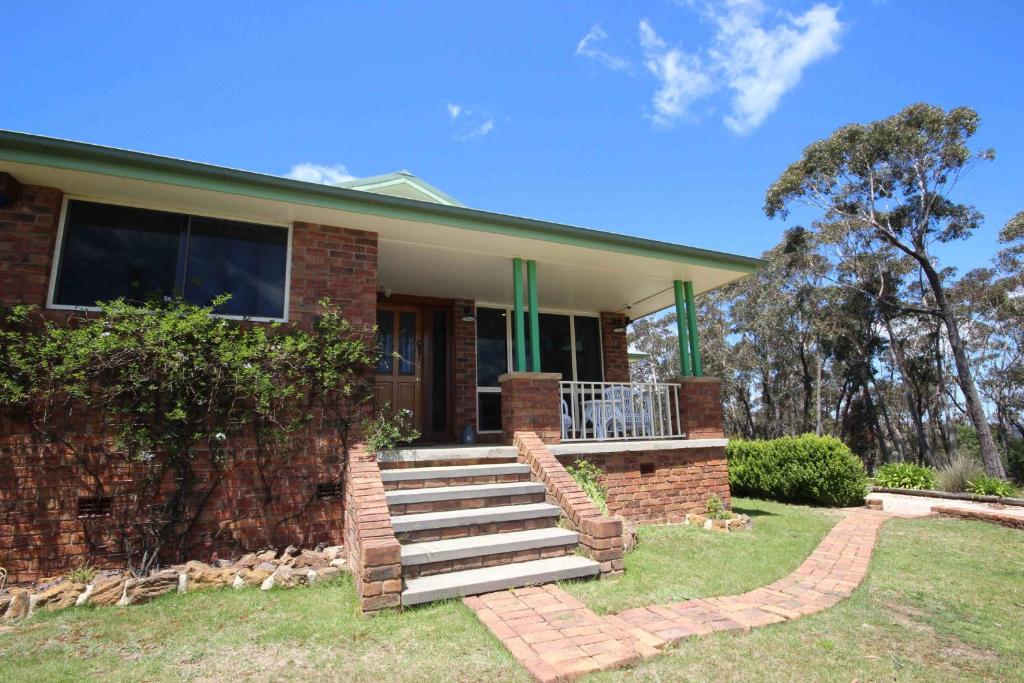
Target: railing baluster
point(621, 411)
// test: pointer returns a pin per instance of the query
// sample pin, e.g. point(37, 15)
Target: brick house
point(506, 332)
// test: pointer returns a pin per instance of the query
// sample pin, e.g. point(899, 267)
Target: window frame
point(58, 250)
point(510, 350)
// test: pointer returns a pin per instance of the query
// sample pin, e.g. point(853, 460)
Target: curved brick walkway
point(557, 638)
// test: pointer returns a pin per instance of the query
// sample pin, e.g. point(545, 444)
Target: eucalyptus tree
point(888, 184)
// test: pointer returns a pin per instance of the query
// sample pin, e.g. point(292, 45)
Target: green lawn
point(944, 600)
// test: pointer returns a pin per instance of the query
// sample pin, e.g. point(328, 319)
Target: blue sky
point(664, 119)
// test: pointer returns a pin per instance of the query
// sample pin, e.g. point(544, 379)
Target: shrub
point(588, 477)
point(990, 486)
point(797, 469)
point(715, 508)
point(905, 475)
point(960, 470)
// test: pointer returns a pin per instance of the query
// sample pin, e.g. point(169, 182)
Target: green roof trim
point(399, 176)
point(78, 156)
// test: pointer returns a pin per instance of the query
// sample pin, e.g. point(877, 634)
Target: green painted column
point(684, 345)
point(691, 322)
point(531, 285)
point(518, 321)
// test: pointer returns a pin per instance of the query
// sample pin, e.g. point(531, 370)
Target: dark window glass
point(491, 346)
point(490, 411)
point(112, 251)
point(555, 345)
point(385, 341)
point(244, 260)
point(118, 251)
point(588, 349)
point(406, 343)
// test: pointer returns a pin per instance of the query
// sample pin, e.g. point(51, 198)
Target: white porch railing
point(614, 411)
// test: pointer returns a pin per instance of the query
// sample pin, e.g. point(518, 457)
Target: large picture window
point(111, 252)
point(569, 345)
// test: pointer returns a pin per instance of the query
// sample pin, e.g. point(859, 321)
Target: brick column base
point(700, 407)
point(530, 402)
point(373, 550)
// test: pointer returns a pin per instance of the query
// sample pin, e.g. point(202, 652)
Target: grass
point(676, 563)
point(247, 634)
point(943, 601)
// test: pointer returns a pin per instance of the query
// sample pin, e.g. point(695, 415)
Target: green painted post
point(517, 315)
point(684, 346)
point(691, 321)
point(531, 285)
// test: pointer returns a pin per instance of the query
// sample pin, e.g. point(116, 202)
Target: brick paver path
point(557, 638)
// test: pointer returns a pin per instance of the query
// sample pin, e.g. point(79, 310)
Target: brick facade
point(614, 347)
point(530, 403)
point(700, 407)
point(255, 503)
point(662, 485)
point(464, 370)
point(600, 536)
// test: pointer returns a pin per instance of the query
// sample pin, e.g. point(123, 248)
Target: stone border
point(373, 550)
point(928, 493)
point(990, 516)
point(600, 536)
point(629, 446)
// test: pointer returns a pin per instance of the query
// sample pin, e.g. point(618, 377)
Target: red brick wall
point(40, 483)
point(464, 362)
point(28, 232)
point(530, 403)
point(373, 551)
point(614, 347)
point(663, 485)
point(700, 407)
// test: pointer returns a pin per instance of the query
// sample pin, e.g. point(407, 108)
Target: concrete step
point(488, 544)
point(454, 472)
point(452, 454)
point(515, 488)
point(454, 518)
point(475, 581)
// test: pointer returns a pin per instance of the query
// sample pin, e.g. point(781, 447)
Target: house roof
point(441, 249)
point(401, 184)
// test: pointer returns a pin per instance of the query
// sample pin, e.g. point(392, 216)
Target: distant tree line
point(853, 328)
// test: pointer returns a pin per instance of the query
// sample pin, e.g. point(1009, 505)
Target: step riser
point(443, 462)
point(475, 529)
point(429, 569)
point(465, 504)
point(454, 481)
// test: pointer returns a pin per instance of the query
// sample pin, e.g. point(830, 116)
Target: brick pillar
point(700, 407)
point(614, 347)
point(28, 231)
point(530, 403)
point(464, 361)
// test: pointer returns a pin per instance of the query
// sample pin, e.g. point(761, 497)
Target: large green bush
point(905, 475)
point(820, 470)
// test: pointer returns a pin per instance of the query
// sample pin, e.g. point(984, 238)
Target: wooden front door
point(399, 375)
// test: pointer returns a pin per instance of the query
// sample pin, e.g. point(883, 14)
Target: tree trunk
point(989, 453)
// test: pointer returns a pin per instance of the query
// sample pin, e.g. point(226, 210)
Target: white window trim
point(55, 265)
point(510, 351)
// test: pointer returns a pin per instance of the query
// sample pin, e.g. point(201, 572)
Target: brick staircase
point(469, 527)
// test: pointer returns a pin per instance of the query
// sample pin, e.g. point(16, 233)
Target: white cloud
point(760, 64)
point(683, 78)
point(477, 132)
point(587, 47)
point(319, 173)
point(453, 110)
point(756, 55)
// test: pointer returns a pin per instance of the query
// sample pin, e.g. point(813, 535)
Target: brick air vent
point(94, 506)
point(646, 468)
point(329, 490)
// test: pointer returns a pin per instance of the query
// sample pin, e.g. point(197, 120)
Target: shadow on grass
point(753, 512)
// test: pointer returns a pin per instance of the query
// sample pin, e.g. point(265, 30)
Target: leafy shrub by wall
point(819, 470)
point(905, 475)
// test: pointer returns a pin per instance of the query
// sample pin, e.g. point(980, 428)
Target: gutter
point(79, 156)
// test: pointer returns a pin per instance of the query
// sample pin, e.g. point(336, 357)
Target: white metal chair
point(568, 424)
point(630, 412)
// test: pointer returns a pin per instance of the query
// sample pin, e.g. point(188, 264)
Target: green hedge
point(819, 470)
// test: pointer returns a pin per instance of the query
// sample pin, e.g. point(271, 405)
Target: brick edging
point(600, 535)
point(991, 516)
point(373, 550)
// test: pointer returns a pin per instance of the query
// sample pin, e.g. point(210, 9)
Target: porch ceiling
point(425, 249)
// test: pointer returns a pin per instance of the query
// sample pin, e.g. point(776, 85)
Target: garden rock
point(106, 590)
point(311, 558)
point(628, 533)
point(266, 555)
point(325, 573)
point(59, 596)
point(202, 576)
point(291, 551)
point(17, 608)
point(138, 591)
